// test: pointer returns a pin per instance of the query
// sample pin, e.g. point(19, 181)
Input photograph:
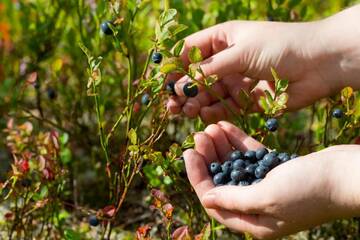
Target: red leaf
point(109, 211)
point(142, 232)
point(181, 233)
point(24, 166)
point(32, 78)
point(168, 210)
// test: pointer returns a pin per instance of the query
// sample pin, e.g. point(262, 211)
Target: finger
point(249, 199)
point(175, 104)
point(206, 147)
point(219, 111)
point(221, 64)
point(238, 138)
point(259, 226)
point(191, 108)
point(197, 172)
point(222, 144)
point(209, 41)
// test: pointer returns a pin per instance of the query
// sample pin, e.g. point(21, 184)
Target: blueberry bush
point(88, 150)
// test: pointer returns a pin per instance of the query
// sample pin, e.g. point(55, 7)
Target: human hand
point(240, 53)
point(296, 195)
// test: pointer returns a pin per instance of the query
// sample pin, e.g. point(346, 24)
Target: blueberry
point(93, 221)
point(238, 175)
point(227, 167)
point(248, 162)
point(272, 124)
point(232, 182)
point(250, 169)
point(257, 181)
point(219, 178)
point(284, 157)
point(156, 57)
point(105, 28)
point(170, 88)
point(270, 160)
point(51, 93)
point(145, 99)
point(250, 155)
point(215, 168)
point(261, 152)
point(261, 171)
point(190, 89)
point(337, 113)
point(237, 164)
point(236, 155)
point(244, 183)
point(294, 155)
point(25, 182)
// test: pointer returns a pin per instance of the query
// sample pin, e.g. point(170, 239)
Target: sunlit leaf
point(195, 55)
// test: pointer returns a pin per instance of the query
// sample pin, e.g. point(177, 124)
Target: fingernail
point(208, 199)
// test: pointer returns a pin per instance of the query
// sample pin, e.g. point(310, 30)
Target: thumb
point(221, 64)
point(249, 199)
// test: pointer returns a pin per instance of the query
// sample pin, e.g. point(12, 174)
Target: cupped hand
point(241, 54)
point(296, 195)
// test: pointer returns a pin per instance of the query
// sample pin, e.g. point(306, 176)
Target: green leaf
point(195, 55)
point(269, 98)
point(177, 28)
point(167, 16)
point(65, 155)
point(189, 142)
point(132, 136)
point(264, 104)
point(85, 50)
point(281, 86)
point(171, 65)
point(347, 92)
point(72, 235)
point(179, 46)
point(282, 99)
point(274, 74)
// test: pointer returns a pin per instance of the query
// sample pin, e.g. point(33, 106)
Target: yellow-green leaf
point(195, 55)
point(132, 136)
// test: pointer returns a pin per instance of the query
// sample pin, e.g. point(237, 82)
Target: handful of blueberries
point(247, 168)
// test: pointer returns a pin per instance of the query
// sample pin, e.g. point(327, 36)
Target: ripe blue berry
point(227, 167)
point(219, 178)
point(250, 169)
point(105, 28)
point(145, 99)
point(170, 88)
point(250, 155)
point(190, 89)
point(261, 152)
point(233, 183)
point(215, 168)
point(294, 155)
point(239, 163)
point(261, 171)
point(284, 157)
point(238, 175)
point(236, 155)
point(156, 57)
point(93, 221)
point(270, 160)
point(337, 113)
point(272, 124)
point(244, 183)
point(51, 93)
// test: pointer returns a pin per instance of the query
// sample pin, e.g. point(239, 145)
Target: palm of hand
point(278, 205)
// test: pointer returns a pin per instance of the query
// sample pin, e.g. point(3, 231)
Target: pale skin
point(319, 59)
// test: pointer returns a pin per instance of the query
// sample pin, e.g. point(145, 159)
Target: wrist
point(339, 48)
point(344, 180)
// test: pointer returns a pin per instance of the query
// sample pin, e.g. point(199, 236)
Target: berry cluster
point(247, 168)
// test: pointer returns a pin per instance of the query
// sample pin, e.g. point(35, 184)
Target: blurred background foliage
point(43, 78)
